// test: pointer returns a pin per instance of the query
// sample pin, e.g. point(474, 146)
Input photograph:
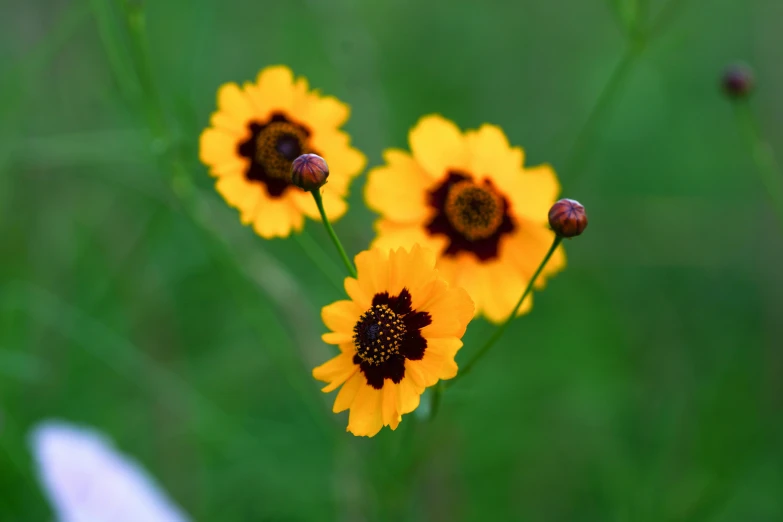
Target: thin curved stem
point(762, 155)
point(502, 328)
point(666, 15)
point(346, 260)
point(638, 39)
point(187, 197)
point(573, 163)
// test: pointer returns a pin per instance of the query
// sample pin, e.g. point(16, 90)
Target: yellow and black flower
point(256, 134)
point(398, 334)
point(469, 198)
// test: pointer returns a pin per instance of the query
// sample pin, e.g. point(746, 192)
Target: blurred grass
point(645, 384)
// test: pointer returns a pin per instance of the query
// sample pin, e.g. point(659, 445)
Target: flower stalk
point(762, 154)
point(502, 328)
point(346, 260)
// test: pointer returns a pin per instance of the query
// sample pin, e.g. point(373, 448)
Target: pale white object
point(88, 480)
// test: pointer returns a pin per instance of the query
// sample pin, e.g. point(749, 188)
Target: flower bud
point(309, 172)
point(738, 80)
point(567, 218)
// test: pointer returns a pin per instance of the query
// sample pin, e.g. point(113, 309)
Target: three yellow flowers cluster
point(462, 229)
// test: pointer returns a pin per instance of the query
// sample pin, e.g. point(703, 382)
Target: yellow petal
point(438, 146)
point(235, 167)
point(429, 293)
point(526, 249)
point(491, 155)
point(337, 337)
point(238, 192)
point(446, 347)
point(341, 316)
point(235, 102)
point(408, 395)
point(372, 266)
point(348, 392)
point(273, 91)
point(506, 285)
point(357, 293)
point(345, 162)
point(365, 418)
point(423, 375)
point(414, 372)
point(276, 217)
point(532, 193)
point(326, 112)
point(391, 235)
point(217, 146)
point(436, 366)
point(399, 190)
point(348, 347)
point(389, 408)
point(496, 286)
point(301, 96)
point(335, 371)
point(248, 212)
point(460, 271)
point(411, 268)
point(557, 263)
point(229, 123)
point(451, 309)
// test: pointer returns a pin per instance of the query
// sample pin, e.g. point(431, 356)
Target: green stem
point(187, 197)
point(762, 155)
point(502, 328)
point(319, 258)
point(161, 131)
point(574, 163)
point(638, 40)
point(346, 260)
point(665, 17)
point(127, 81)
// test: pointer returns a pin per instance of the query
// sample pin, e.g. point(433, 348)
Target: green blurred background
point(644, 386)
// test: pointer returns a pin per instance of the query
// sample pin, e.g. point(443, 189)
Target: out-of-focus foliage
point(644, 385)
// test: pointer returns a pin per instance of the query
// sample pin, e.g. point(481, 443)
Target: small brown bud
point(738, 80)
point(567, 218)
point(309, 172)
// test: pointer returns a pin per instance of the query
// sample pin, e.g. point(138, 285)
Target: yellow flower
point(258, 131)
point(469, 198)
point(397, 335)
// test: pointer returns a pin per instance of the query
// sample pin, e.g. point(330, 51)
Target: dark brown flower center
point(473, 216)
point(378, 334)
point(387, 334)
point(277, 146)
point(272, 148)
point(475, 211)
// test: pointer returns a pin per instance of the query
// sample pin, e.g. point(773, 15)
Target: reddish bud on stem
point(738, 81)
point(567, 218)
point(309, 172)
